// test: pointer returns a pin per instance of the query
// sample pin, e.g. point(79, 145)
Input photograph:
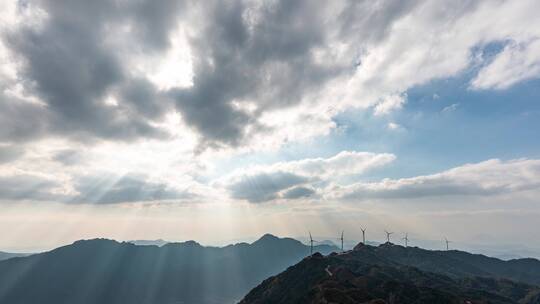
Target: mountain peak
point(267, 237)
point(359, 246)
point(191, 243)
point(96, 241)
point(387, 244)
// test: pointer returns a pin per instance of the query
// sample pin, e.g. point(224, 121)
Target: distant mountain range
point(395, 274)
point(8, 255)
point(108, 272)
point(105, 272)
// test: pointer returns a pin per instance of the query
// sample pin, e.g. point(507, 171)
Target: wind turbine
point(342, 232)
point(311, 243)
point(406, 238)
point(363, 235)
point(447, 242)
point(388, 234)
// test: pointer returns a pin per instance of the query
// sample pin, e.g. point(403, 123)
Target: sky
point(225, 120)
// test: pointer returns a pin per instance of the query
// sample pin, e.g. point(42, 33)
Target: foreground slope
point(383, 275)
point(105, 271)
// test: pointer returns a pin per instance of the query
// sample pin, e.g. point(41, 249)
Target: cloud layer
point(296, 179)
point(86, 86)
point(306, 178)
point(104, 189)
point(81, 69)
point(488, 178)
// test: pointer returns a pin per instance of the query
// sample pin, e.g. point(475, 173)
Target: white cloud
point(103, 173)
point(491, 177)
point(517, 62)
point(394, 126)
point(343, 163)
point(435, 39)
point(173, 69)
point(450, 108)
point(389, 103)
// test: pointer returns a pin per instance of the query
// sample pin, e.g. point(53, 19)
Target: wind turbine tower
point(363, 235)
point(388, 234)
point(406, 238)
point(447, 242)
point(311, 244)
point(342, 232)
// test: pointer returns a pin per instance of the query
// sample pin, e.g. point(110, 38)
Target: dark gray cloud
point(9, 153)
point(299, 178)
point(298, 192)
point(28, 187)
point(265, 53)
point(261, 53)
point(68, 157)
point(263, 187)
point(142, 97)
point(21, 121)
point(364, 22)
point(104, 189)
point(71, 65)
point(124, 189)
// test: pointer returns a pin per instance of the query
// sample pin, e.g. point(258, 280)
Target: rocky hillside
point(394, 274)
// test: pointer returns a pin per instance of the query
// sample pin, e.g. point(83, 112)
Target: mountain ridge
point(107, 271)
point(110, 272)
point(394, 274)
point(10, 255)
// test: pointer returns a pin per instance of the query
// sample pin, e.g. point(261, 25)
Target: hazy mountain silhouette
point(8, 255)
point(158, 242)
point(384, 274)
point(104, 271)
